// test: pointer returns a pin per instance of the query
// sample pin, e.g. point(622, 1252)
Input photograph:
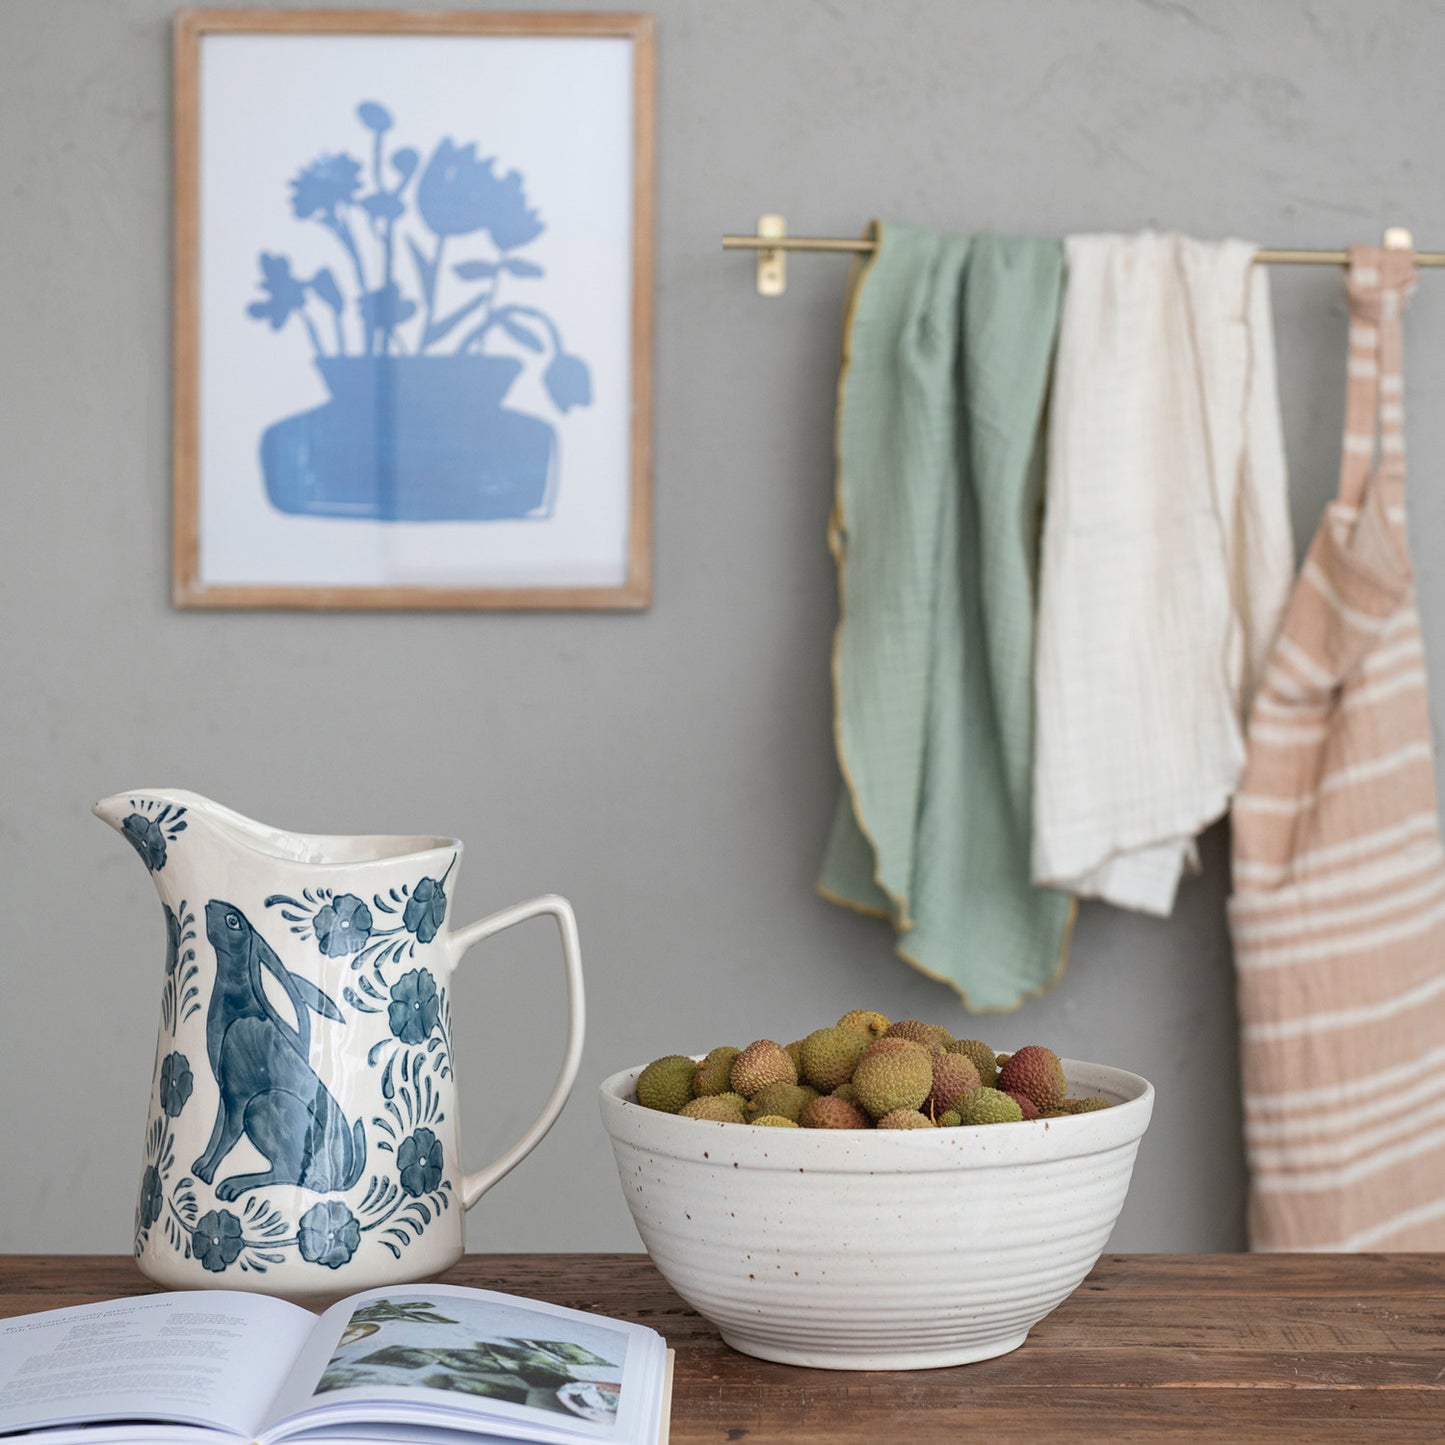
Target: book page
point(210, 1357)
point(462, 1358)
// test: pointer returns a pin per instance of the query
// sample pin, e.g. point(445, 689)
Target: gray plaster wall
point(670, 772)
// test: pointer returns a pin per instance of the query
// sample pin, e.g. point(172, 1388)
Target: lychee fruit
point(831, 1112)
point(1036, 1072)
point(905, 1119)
point(887, 1081)
point(981, 1056)
point(866, 1020)
point(780, 1098)
point(986, 1106)
point(666, 1083)
point(762, 1063)
point(932, 1036)
point(830, 1055)
point(727, 1108)
point(952, 1074)
point(714, 1073)
point(1027, 1107)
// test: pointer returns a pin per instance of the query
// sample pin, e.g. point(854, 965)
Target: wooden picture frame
point(401, 480)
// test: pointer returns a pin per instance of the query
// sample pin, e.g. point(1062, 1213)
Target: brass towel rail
point(772, 243)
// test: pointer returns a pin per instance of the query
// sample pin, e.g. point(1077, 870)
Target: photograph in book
point(482, 1348)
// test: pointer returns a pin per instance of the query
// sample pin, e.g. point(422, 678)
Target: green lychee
point(829, 1056)
point(666, 1083)
point(949, 1119)
point(762, 1063)
point(866, 1020)
point(905, 1119)
point(892, 1045)
point(1085, 1106)
point(727, 1108)
point(846, 1091)
point(893, 1080)
point(714, 1073)
point(981, 1056)
point(776, 1121)
point(1036, 1072)
point(780, 1098)
point(986, 1106)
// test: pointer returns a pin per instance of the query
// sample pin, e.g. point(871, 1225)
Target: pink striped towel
point(1338, 911)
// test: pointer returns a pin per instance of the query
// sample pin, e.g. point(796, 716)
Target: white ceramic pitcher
point(303, 1135)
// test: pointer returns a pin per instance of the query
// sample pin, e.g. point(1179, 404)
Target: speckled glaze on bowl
point(878, 1250)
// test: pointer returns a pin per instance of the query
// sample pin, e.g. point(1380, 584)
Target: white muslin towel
point(1167, 559)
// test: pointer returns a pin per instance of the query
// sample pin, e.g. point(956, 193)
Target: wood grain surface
point(1240, 1347)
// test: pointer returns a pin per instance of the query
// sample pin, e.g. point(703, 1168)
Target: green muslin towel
point(935, 531)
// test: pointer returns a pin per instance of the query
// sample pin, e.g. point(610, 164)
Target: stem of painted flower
point(316, 345)
point(431, 296)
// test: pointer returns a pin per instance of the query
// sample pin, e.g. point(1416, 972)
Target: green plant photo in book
point(430, 1363)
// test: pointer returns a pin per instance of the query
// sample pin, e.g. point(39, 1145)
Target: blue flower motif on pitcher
point(419, 1162)
point(149, 1208)
point(146, 838)
point(426, 910)
point(176, 1083)
point(414, 1006)
point(329, 1234)
point(343, 926)
point(217, 1240)
point(150, 827)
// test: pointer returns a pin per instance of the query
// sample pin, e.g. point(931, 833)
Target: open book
point(417, 1363)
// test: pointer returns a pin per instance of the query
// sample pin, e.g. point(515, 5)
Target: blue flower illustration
point(374, 116)
point(176, 1083)
point(568, 381)
point(343, 926)
point(147, 839)
point(512, 223)
point(173, 939)
point(329, 1234)
point(414, 1006)
point(419, 1162)
point(328, 182)
point(285, 295)
point(426, 909)
point(216, 1240)
point(459, 195)
point(149, 1208)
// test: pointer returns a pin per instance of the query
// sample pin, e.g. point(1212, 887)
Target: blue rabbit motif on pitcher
point(303, 1136)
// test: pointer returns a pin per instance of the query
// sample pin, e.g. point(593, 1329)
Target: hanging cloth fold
point(1167, 558)
point(941, 398)
point(1338, 911)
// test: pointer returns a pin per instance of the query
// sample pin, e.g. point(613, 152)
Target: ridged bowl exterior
point(878, 1250)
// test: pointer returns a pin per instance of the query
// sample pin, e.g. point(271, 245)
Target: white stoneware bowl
point(878, 1250)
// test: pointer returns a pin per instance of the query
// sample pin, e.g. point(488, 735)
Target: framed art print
point(413, 307)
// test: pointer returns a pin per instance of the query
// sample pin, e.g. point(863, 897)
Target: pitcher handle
point(475, 1185)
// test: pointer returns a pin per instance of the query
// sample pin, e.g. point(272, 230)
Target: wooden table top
point(1245, 1347)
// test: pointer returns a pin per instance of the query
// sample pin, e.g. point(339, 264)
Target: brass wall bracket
point(772, 260)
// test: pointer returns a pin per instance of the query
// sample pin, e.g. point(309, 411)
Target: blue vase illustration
point(416, 426)
point(413, 439)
